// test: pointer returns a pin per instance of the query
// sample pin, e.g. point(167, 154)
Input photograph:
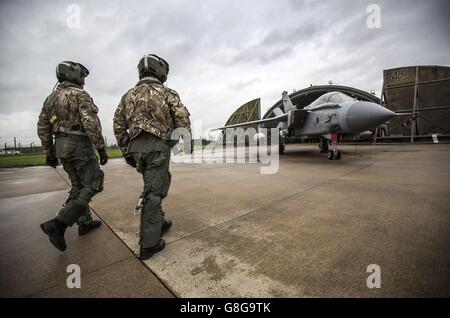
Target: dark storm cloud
point(221, 53)
point(278, 43)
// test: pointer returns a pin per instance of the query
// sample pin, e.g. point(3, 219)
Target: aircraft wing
point(280, 118)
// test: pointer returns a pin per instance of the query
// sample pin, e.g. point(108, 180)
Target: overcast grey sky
point(222, 53)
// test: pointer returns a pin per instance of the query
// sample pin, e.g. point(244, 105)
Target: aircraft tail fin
point(287, 103)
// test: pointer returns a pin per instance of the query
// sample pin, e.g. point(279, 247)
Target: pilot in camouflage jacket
point(143, 123)
point(70, 115)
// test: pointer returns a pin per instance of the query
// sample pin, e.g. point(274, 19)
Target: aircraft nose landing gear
point(334, 153)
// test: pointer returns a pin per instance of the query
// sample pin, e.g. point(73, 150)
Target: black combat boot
point(86, 228)
point(146, 253)
point(167, 224)
point(55, 231)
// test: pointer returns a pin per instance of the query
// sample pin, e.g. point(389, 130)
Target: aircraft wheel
point(330, 155)
point(337, 154)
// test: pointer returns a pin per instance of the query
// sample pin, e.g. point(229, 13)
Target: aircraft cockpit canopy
point(331, 97)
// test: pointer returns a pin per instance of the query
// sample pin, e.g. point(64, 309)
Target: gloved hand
point(51, 161)
point(103, 156)
point(130, 160)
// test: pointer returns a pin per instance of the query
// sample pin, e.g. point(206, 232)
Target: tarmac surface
point(309, 230)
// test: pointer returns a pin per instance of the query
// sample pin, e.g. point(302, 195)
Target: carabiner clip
point(138, 208)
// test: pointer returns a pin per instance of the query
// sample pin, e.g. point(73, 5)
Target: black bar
point(225, 307)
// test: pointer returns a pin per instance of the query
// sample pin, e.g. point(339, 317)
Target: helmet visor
point(83, 70)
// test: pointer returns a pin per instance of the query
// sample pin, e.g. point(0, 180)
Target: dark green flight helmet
point(153, 65)
point(71, 72)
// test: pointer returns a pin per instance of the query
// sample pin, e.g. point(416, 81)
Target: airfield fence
point(32, 145)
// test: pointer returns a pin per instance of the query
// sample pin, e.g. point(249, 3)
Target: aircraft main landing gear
point(323, 145)
point(281, 148)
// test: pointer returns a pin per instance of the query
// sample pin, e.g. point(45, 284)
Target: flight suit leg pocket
point(156, 159)
point(97, 185)
point(64, 147)
point(166, 185)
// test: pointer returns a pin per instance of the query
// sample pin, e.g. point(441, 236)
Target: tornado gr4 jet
point(328, 118)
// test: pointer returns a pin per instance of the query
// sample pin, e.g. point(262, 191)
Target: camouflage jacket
point(70, 110)
point(152, 107)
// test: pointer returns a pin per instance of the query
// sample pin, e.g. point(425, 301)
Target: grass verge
point(29, 160)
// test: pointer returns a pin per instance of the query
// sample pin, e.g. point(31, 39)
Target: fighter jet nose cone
point(363, 116)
